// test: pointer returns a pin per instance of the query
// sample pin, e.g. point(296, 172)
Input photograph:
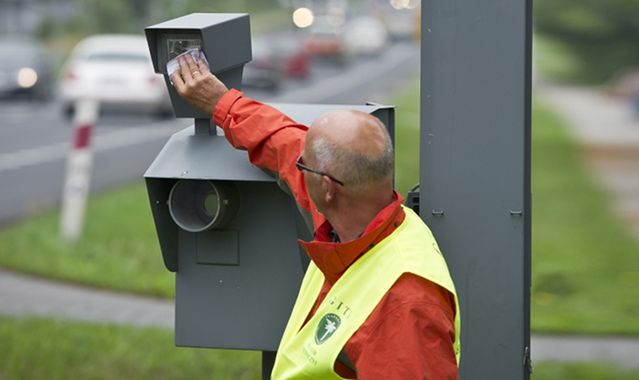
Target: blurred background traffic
point(63, 50)
point(54, 52)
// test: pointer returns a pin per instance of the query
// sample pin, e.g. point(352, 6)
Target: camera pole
point(475, 172)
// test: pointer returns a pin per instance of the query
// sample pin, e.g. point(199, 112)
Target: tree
point(602, 34)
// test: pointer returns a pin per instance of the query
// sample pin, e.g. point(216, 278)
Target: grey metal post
point(204, 127)
point(475, 171)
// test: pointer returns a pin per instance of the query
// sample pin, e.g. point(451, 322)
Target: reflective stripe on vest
point(309, 352)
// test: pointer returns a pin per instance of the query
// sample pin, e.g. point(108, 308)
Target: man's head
point(354, 148)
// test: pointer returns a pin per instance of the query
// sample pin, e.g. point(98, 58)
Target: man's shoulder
point(412, 293)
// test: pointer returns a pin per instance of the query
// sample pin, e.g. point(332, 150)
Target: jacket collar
point(333, 258)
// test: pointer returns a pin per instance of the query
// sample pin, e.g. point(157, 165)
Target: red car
point(273, 59)
point(327, 43)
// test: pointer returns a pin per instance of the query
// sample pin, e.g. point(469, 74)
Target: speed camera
point(224, 38)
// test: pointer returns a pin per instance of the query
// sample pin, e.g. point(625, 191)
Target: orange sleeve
point(273, 140)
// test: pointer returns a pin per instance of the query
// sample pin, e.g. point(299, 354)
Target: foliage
point(125, 16)
point(52, 349)
point(602, 35)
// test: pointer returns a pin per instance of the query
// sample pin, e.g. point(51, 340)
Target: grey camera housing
point(225, 39)
point(235, 285)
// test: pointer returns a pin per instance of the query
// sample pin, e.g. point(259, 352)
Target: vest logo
point(327, 327)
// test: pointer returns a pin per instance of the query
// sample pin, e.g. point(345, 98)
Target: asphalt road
point(35, 137)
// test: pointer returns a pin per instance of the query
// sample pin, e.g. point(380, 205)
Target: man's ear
point(329, 188)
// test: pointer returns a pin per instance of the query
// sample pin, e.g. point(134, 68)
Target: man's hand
point(195, 83)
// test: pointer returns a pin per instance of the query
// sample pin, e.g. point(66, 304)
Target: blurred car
point(24, 68)
point(401, 24)
point(325, 42)
point(115, 70)
point(262, 71)
point(292, 59)
point(365, 35)
point(274, 59)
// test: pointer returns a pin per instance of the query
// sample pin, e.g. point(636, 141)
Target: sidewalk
point(608, 132)
point(24, 295)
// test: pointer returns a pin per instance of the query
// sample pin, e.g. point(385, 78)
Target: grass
point(35, 348)
point(118, 249)
point(407, 138)
point(52, 349)
point(585, 264)
point(581, 371)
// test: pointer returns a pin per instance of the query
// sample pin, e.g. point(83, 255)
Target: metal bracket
point(527, 360)
point(412, 199)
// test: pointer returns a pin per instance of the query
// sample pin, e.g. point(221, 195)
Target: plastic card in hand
point(197, 54)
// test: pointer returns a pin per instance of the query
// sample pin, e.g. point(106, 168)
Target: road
point(34, 137)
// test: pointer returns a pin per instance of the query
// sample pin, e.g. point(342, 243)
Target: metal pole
point(475, 172)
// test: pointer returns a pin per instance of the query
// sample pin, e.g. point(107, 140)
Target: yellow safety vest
point(310, 352)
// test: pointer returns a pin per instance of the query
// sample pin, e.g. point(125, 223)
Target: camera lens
point(199, 205)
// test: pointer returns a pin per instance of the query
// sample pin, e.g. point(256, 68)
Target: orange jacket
point(410, 333)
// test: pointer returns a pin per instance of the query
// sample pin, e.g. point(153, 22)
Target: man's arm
point(273, 140)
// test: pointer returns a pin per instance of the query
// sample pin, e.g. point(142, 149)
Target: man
point(377, 301)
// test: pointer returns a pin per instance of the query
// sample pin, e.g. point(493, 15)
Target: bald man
point(377, 301)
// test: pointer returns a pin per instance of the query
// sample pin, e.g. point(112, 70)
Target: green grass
point(585, 264)
point(581, 371)
point(35, 348)
point(407, 138)
point(51, 349)
point(118, 249)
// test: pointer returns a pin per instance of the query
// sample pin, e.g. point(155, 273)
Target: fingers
point(193, 67)
point(185, 70)
point(178, 83)
point(202, 67)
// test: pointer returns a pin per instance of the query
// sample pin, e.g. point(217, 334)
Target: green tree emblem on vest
point(326, 327)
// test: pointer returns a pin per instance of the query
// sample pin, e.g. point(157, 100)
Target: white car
point(115, 70)
point(365, 36)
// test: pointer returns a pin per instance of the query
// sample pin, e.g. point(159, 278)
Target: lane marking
point(118, 139)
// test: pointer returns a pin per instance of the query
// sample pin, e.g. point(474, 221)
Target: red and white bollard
point(78, 174)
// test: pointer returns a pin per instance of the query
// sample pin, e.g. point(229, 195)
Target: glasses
point(301, 167)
